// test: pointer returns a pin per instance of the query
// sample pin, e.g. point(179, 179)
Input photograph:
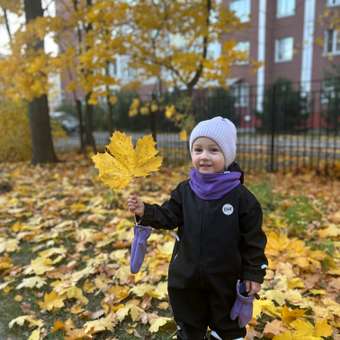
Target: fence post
point(272, 161)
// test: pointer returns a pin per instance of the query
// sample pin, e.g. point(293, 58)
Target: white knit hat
point(222, 131)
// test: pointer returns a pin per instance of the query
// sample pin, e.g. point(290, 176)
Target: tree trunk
point(191, 85)
point(81, 124)
point(109, 116)
point(153, 125)
point(89, 139)
point(8, 28)
point(109, 104)
point(42, 143)
point(153, 116)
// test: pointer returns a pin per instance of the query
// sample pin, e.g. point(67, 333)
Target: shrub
point(15, 136)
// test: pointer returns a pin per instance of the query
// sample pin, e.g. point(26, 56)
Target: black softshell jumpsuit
point(220, 241)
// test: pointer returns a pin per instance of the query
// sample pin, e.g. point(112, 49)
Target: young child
point(220, 236)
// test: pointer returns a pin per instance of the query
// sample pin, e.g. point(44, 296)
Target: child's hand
point(252, 287)
point(136, 205)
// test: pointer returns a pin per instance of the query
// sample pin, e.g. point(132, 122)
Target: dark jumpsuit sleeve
point(169, 215)
point(253, 239)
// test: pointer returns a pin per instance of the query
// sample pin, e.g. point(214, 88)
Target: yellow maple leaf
point(8, 245)
point(303, 327)
point(295, 282)
point(267, 307)
point(331, 231)
point(121, 162)
point(20, 320)
point(288, 315)
point(155, 324)
point(35, 335)
point(76, 293)
point(136, 313)
point(5, 262)
point(122, 312)
point(52, 301)
point(322, 328)
point(95, 326)
point(284, 336)
point(119, 293)
point(39, 266)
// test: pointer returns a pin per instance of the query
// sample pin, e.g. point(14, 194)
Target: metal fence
point(281, 128)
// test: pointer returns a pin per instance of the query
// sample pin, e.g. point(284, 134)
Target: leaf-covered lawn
point(64, 256)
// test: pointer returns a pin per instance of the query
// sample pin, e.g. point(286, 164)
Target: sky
point(15, 23)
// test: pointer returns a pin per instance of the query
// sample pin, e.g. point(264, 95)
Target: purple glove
point(138, 246)
point(243, 306)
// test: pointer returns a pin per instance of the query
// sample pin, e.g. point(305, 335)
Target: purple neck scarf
point(213, 186)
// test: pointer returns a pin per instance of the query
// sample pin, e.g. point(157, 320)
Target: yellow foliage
point(57, 129)
point(144, 110)
point(154, 107)
point(183, 136)
point(133, 111)
point(20, 320)
point(158, 322)
point(121, 162)
point(170, 111)
point(15, 135)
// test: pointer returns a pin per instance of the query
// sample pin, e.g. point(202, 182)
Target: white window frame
point(244, 14)
point(278, 46)
point(333, 3)
point(241, 92)
point(285, 8)
point(243, 46)
point(335, 37)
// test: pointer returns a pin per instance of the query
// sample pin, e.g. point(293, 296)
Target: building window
point(284, 49)
point(241, 8)
point(333, 3)
point(240, 93)
point(244, 48)
point(285, 8)
point(332, 42)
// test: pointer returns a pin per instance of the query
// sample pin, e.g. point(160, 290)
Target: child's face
point(206, 156)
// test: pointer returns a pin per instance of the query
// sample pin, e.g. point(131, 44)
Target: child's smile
point(207, 156)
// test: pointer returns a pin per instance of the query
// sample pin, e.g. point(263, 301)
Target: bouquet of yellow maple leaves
point(117, 166)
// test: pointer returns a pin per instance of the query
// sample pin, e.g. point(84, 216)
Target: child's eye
point(197, 150)
point(214, 150)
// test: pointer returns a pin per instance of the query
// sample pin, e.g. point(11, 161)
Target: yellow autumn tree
point(84, 56)
point(177, 41)
point(180, 45)
point(87, 56)
point(15, 135)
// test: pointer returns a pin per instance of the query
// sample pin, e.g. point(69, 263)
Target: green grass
point(264, 193)
point(300, 214)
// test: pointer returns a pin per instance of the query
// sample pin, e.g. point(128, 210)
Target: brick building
point(290, 38)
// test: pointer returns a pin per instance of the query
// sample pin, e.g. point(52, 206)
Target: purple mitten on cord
point(243, 306)
point(138, 246)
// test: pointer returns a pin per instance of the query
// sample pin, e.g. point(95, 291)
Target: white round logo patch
point(227, 209)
